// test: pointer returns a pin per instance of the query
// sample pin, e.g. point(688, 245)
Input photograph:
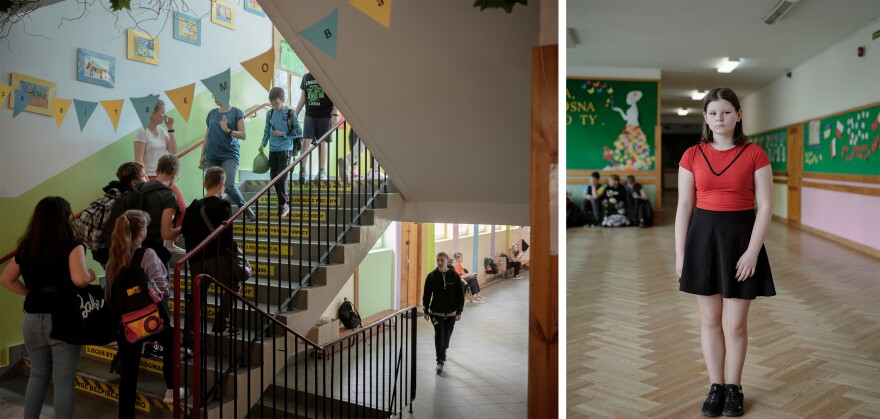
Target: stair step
point(311, 185)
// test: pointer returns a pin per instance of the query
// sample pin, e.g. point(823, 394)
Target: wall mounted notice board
point(611, 124)
point(775, 144)
point(848, 143)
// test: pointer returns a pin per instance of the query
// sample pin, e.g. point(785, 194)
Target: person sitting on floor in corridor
point(594, 194)
point(468, 279)
point(614, 204)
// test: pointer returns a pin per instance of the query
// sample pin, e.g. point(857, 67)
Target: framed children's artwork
point(187, 28)
point(223, 14)
point(253, 7)
point(143, 47)
point(96, 68)
point(40, 92)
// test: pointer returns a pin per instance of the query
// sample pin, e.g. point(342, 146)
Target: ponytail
point(126, 230)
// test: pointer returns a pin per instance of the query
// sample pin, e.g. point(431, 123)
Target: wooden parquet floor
point(633, 343)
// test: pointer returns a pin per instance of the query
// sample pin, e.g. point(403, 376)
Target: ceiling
point(442, 98)
point(687, 39)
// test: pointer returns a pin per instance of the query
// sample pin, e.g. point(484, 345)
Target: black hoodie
point(444, 294)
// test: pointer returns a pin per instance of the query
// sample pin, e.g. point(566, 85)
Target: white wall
point(34, 149)
point(617, 73)
point(832, 81)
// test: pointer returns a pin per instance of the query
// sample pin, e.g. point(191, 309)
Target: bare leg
point(736, 337)
point(712, 336)
point(322, 156)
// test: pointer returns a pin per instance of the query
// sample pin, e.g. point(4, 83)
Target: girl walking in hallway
point(719, 246)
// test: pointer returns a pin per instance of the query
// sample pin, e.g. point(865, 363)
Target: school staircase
point(300, 263)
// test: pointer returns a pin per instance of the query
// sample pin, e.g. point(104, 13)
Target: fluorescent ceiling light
point(699, 94)
point(729, 64)
point(779, 11)
point(683, 112)
point(571, 38)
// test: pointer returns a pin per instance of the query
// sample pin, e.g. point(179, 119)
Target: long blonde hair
point(126, 236)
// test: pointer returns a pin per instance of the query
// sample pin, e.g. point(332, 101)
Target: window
point(485, 228)
point(441, 231)
point(500, 228)
point(464, 229)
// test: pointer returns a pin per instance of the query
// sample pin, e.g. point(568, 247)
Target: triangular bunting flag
point(218, 85)
point(323, 34)
point(21, 99)
point(5, 90)
point(182, 99)
point(262, 67)
point(143, 107)
point(59, 108)
point(84, 110)
point(378, 10)
point(114, 110)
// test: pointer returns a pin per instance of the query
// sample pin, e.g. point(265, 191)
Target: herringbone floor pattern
point(633, 339)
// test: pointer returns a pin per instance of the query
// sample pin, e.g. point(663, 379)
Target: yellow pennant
point(114, 110)
point(262, 67)
point(59, 109)
point(378, 10)
point(5, 89)
point(182, 98)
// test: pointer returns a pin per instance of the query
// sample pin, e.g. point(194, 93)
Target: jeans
point(442, 333)
point(516, 267)
point(593, 207)
point(278, 161)
point(230, 166)
point(129, 365)
point(49, 358)
point(473, 284)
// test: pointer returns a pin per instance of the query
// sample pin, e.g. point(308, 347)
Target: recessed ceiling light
point(699, 94)
point(683, 111)
point(729, 64)
point(779, 11)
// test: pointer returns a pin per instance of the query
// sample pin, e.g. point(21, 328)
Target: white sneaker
point(439, 367)
point(322, 175)
point(169, 395)
point(174, 249)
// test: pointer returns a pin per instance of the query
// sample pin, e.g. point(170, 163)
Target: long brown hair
point(125, 233)
point(49, 236)
point(727, 94)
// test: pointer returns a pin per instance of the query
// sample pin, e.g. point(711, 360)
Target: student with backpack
point(443, 301)
point(49, 259)
point(134, 273)
point(202, 217)
point(91, 224)
point(283, 129)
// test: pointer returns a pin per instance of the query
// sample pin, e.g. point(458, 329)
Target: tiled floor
point(486, 368)
point(485, 375)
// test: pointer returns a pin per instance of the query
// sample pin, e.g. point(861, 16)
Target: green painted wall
point(780, 200)
point(82, 183)
point(376, 282)
point(428, 261)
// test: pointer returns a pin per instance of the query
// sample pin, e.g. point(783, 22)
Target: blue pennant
point(323, 34)
point(144, 106)
point(218, 85)
point(22, 97)
point(84, 110)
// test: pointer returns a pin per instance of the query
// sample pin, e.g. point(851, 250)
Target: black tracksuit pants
point(442, 332)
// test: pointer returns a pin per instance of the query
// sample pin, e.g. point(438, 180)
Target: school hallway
point(487, 360)
point(633, 342)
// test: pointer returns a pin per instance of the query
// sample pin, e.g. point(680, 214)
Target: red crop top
point(732, 189)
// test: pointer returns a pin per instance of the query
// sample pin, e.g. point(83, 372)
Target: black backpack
point(348, 315)
point(490, 266)
point(132, 199)
point(130, 290)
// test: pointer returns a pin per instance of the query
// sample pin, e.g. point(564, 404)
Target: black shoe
point(154, 351)
point(733, 400)
point(224, 330)
point(714, 401)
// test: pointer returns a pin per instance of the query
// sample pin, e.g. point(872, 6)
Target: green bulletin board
point(775, 143)
point(289, 60)
point(844, 144)
point(610, 124)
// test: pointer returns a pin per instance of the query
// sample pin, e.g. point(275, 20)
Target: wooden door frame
point(795, 173)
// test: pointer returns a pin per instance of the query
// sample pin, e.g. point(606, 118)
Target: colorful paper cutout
point(144, 106)
point(262, 67)
point(59, 109)
point(218, 85)
point(21, 100)
point(5, 90)
point(323, 34)
point(378, 10)
point(84, 110)
point(182, 99)
point(114, 110)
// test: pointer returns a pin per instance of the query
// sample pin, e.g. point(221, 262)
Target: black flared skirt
point(715, 241)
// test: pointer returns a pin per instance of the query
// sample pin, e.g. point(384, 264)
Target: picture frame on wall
point(223, 14)
point(253, 7)
point(142, 47)
point(40, 91)
point(96, 68)
point(187, 28)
